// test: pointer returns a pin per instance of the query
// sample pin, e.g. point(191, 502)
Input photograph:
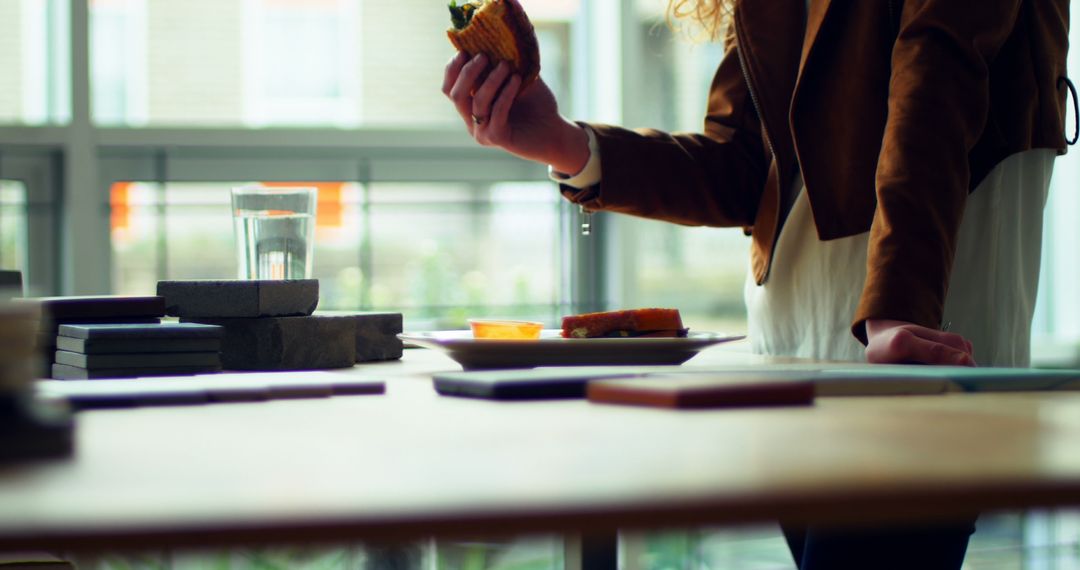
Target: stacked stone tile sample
point(376, 335)
point(136, 350)
point(268, 325)
point(239, 299)
point(286, 343)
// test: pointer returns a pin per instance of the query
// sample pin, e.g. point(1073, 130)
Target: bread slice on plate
point(626, 323)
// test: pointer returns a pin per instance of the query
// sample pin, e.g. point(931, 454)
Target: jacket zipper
point(745, 68)
point(753, 96)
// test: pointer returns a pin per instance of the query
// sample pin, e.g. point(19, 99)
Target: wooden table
point(411, 464)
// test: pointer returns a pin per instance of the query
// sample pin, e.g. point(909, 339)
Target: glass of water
point(274, 231)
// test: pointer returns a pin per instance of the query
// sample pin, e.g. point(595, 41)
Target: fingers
point(905, 346)
point(482, 99)
point(453, 70)
point(482, 96)
point(464, 85)
point(949, 339)
point(498, 125)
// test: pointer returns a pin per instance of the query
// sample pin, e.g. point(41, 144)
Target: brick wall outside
point(194, 61)
point(404, 51)
point(194, 58)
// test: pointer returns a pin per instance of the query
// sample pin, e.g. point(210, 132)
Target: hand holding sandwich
point(494, 84)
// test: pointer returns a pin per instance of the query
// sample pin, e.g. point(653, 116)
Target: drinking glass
point(274, 230)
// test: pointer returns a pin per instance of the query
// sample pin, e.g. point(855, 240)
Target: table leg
point(600, 551)
point(394, 556)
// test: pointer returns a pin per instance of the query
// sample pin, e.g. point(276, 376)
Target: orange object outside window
point(120, 206)
point(329, 213)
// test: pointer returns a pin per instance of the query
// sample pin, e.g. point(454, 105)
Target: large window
point(28, 215)
point(11, 59)
point(13, 217)
point(438, 252)
point(359, 79)
point(255, 63)
point(33, 82)
point(438, 244)
point(699, 270)
point(1056, 330)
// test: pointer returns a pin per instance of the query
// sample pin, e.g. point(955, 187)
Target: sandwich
point(499, 29)
point(627, 323)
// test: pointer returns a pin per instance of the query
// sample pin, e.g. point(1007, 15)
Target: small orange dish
point(505, 330)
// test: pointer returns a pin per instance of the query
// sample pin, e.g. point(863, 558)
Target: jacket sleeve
point(938, 106)
point(713, 179)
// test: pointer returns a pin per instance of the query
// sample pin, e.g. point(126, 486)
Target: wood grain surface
point(410, 463)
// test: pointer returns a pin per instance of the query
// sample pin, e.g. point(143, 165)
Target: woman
point(890, 158)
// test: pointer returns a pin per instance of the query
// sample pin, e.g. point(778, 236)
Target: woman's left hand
point(898, 342)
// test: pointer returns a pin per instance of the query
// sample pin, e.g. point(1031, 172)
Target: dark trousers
point(923, 547)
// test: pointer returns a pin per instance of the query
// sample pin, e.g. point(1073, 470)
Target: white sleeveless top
point(806, 307)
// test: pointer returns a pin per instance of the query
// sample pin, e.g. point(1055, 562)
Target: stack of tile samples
point(133, 350)
point(268, 325)
point(58, 311)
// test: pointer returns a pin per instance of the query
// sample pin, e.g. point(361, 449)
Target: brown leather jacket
point(892, 118)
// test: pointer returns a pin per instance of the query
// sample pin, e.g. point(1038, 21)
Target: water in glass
point(274, 231)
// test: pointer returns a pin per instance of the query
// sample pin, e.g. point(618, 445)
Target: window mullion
point(85, 237)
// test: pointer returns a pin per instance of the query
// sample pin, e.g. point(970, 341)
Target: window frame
point(36, 169)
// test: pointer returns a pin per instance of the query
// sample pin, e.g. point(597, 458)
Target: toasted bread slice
point(501, 30)
point(628, 323)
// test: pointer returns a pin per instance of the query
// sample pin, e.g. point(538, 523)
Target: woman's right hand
point(525, 122)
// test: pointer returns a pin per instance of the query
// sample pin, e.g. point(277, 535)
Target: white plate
point(553, 350)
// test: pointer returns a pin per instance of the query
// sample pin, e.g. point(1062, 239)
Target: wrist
point(878, 326)
point(570, 148)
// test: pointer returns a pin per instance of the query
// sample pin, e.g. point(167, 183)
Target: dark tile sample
point(129, 331)
point(240, 299)
point(131, 394)
point(65, 372)
point(287, 343)
point(64, 309)
point(111, 361)
point(126, 393)
point(137, 346)
point(357, 386)
point(376, 334)
point(50, 329)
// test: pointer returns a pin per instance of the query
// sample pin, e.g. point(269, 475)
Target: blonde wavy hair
point(701, 20)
